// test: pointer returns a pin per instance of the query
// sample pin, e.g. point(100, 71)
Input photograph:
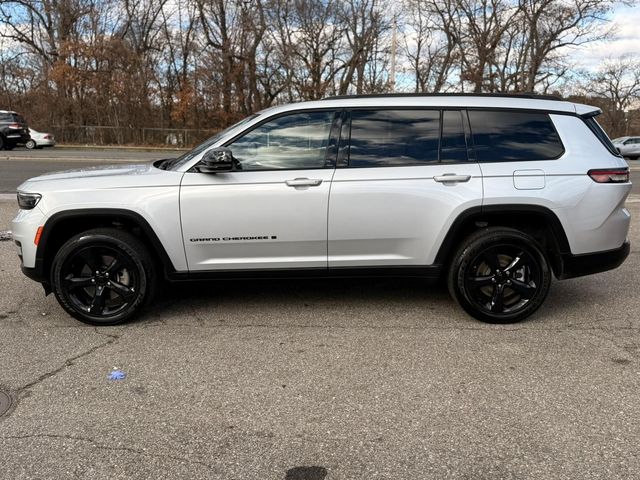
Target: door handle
point(304, 182)
point(450, 178)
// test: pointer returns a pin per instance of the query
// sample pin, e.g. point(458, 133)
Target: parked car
point(13, 130)
point(628, 146)
point(495, 193)
point(40, 140)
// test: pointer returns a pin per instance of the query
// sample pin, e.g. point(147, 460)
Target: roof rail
point(528, 95)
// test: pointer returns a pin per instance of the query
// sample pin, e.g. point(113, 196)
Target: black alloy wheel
point(500, 276)
point(103, 276)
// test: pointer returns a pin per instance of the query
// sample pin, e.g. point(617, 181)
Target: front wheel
point(31, 144)
point(103, 276)
point(499, 275)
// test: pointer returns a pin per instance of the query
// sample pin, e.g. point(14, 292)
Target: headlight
point(27, 201)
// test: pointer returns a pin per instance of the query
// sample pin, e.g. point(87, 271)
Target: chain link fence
point(102, 135)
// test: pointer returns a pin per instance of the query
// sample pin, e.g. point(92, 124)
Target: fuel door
point(529, 179)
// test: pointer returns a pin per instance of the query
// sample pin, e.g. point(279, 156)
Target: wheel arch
point(63, 225)
point(539, 222)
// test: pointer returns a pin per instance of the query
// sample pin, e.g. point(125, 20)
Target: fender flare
point(134, 217)
point(482, 214)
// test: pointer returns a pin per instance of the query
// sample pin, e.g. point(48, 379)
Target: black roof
point(528, 95)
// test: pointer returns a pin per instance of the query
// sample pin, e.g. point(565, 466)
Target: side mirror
point(217, 160)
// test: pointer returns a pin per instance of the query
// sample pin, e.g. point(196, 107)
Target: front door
point(271, 211)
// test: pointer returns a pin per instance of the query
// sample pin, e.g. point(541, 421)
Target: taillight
point(15, 125)
point(609, 175)
point(47, 137)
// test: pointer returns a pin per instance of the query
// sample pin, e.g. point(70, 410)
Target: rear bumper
point(580, 265)
point(17, 137)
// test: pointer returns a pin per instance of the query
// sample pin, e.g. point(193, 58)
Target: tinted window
point(6, 117)
point(595, 127)
point(297, 141)
point(453, 145)
point(510, 136)
point(394, 137)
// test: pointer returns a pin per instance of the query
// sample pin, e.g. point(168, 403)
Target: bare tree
point(548, 27)
point(208, 62)
point(616, 86)
point(430, 43)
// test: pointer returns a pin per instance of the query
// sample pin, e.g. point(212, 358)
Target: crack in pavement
point(69, 362)
point(99, 446)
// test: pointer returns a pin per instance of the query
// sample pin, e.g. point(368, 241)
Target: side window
point(393, 138)
point(296, 141)
point(502, 136)
point(453, 145)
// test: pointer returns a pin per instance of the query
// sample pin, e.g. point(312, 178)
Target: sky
point(626, 39)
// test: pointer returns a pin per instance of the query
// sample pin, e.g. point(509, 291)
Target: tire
point(31, 144)
point(83, 272)
point(2, 142)
point(489, 286)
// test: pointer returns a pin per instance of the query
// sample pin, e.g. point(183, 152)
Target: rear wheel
point(31, 144)
point(103, 276)
point(499, 275)
point(2, 142)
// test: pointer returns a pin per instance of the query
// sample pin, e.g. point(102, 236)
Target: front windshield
point(176, 163)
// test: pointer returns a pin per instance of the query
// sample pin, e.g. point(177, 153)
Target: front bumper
point(579, 265)
point(37, 274)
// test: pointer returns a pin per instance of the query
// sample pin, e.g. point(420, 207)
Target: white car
point(40, 140)
point(628, 146)
point(495, 193)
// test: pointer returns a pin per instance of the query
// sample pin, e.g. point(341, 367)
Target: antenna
point(394, 47)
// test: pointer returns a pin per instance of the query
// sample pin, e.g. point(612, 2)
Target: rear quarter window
point(597, 130)
point(506, 136)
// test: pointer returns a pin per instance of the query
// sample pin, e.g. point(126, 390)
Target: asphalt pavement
point(323, 379)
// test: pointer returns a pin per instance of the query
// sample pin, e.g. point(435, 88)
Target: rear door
point(403, 176)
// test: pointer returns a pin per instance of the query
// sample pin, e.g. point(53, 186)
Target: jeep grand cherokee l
point(495, 193)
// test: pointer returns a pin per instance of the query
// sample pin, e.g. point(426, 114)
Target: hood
point(102, 177)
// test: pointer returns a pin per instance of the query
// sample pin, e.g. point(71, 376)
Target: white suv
point(493, 192)
point(628, 146)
